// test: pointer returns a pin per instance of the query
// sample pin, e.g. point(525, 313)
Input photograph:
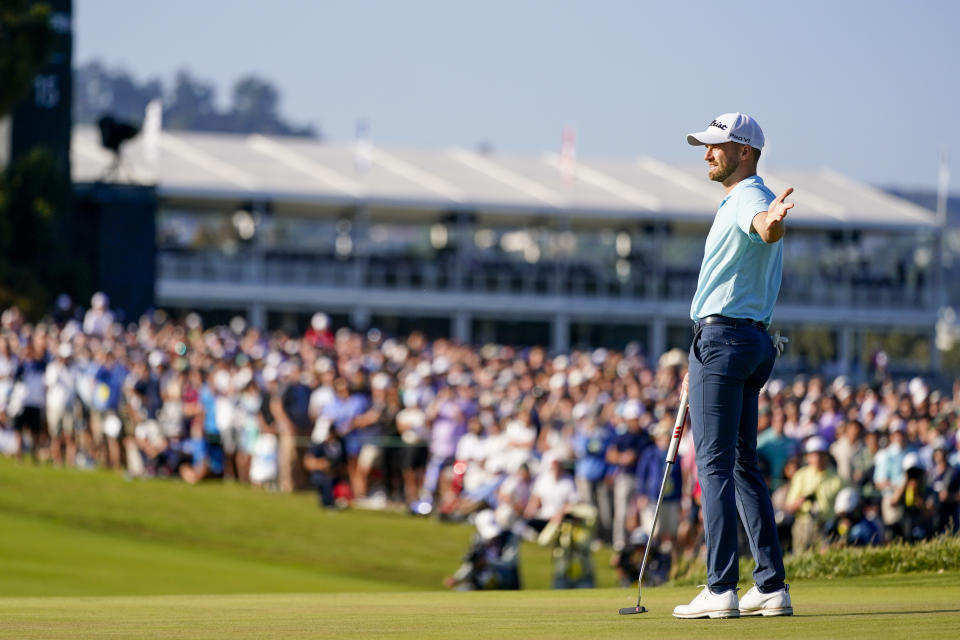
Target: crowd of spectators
point(441, 428)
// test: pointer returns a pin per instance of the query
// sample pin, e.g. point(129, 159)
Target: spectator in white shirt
point(61, 380)
point(98, 318)
point(552, 493)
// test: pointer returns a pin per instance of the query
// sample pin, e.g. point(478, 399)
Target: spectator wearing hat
point(888, 472)
point(325, 461)
point(319, 334)
point(849, 525)
point(492, 560)
point(915, 500)
point(810, 499)
point(61, 381)
point(98, 319)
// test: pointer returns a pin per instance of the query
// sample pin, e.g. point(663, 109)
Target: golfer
point(730, 359)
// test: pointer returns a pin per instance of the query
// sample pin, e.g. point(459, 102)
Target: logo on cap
point(718, 125)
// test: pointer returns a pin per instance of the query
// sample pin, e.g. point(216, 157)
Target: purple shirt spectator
point(448, 428)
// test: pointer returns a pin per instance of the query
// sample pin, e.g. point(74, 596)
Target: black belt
point(729, 322)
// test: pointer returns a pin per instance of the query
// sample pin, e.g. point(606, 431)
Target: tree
point(31, 187)
point(254, 110)
point(26, 41)
point(191, 105)
point(34, 255)
point(98, 90)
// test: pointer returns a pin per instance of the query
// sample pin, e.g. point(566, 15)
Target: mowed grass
point(915, 606)
point(92, 555)
point(66, 532)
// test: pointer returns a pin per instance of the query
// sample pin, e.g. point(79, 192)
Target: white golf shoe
point(710, 605)
point(756, 603)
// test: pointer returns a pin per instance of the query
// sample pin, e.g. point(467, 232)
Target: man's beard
point(719, 174)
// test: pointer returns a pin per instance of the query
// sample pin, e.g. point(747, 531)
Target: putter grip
point(678, 427)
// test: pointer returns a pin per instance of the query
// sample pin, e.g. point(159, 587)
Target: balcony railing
point(504, 277)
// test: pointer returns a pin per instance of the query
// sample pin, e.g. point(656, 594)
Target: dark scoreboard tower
point(107, 229)
point(43, 118)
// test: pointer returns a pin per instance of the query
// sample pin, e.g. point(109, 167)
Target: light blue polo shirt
point(740, 274)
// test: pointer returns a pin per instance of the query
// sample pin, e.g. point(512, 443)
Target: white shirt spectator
point(495, 453)
point(61, 380)
point(319, 399)
point(98, 319)
point(515, 492)
point(554, 493)
point(520, 439)
point(472, 450)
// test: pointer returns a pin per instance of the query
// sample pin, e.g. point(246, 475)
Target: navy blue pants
point(728, 366)
point(323, 483)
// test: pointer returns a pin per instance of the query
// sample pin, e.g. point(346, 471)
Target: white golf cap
point(730, 127)
point(815, 444)
point(847, 500)
point(487, 525)
point(912, 461)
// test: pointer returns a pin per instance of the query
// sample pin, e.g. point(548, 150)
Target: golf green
point(92, 555)
point(916, 606)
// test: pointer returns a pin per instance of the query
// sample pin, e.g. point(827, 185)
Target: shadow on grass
point(875, 613)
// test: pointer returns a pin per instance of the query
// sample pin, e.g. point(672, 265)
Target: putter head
point(626, 611)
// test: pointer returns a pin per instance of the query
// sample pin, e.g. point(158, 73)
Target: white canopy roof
point(298, 170)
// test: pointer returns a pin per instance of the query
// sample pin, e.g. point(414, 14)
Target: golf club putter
point(671, 458)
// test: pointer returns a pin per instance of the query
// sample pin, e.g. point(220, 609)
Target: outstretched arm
point(769, 224)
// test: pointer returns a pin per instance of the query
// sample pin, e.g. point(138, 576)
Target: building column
point(462, 325)
point(257, 315)
point(360, 235)
point(934, 350)
point(845, 348)
point(560, 333)
point(658, 339)
point(360, 318)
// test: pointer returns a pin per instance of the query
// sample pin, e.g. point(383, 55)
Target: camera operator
point(811, 496)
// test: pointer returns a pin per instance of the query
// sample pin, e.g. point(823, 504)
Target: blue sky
point(867, 88)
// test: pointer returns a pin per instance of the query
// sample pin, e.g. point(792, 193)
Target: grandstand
point(496, 247)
